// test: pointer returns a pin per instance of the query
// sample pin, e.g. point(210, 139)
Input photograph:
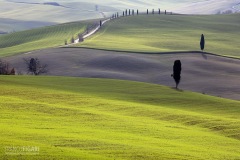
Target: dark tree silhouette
point(126, 12)
point(202, 42)
point(117, 14)
point(159, 11)
point(153, 11)
point(165, 11)
point(177, 68)
point(147, 11)
point(35, 67)
point(137, 12)
point(100, 23)
point(123, 13)
point(129, 12)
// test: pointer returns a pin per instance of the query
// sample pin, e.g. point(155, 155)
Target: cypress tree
point(202, 42)
point(177, 68)
point(137, 12)
point(147, 11)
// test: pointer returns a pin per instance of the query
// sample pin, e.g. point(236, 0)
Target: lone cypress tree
point(177, 68)
point(147, 11)
point(159, 11)
point(202, 42)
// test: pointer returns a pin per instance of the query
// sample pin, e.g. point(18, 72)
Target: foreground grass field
point(40, 38)
point(170, 33)
point(111, 119)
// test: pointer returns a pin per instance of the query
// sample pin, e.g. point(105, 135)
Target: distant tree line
point(129, 12)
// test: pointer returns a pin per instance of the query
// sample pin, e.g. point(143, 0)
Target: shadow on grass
point(139, 52)
point(204, 56)
point(177, 89)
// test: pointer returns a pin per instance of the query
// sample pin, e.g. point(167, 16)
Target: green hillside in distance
point(75, 118)
point(168, 33)
point(40, 38)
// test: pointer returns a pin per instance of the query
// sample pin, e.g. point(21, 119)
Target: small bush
point(5, 68)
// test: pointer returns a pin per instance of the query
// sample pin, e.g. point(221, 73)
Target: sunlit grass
point(40, 38)
point(170, 33)
point(112, 119)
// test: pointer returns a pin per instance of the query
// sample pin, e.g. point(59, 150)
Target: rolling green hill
point(154, 33)
point(40, 38)
point(111, 119)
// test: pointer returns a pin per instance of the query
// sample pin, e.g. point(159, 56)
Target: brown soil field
point(201, 72)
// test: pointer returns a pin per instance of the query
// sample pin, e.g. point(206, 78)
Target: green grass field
point(112, 119)
point(170, 33)
point(40, 38)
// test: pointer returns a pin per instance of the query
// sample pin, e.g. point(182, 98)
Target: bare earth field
point(204, 73)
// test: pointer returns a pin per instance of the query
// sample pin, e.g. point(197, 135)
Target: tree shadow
point(204, 56)
point(177, 89)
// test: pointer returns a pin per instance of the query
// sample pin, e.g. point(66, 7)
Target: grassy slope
point(40, 38)
point(101, 119)
point(170, 33)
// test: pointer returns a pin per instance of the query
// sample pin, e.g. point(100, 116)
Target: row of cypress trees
point(129, 12)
